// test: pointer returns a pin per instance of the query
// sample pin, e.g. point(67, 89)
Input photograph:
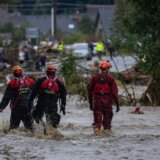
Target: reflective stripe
point(61, 47)
point(48, 92)
point(99, 47)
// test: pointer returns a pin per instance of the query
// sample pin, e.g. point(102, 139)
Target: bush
point(74, 79)
point(76, 37)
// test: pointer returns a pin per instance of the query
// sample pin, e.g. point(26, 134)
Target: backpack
point(21, 85)
point(22, 88)
point(49, 86)
point(102, 86)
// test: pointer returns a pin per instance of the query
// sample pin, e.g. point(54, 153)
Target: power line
point(64, 4)
point(71, 4)
point(40, 9)
point(60, 7)
point(28, 5)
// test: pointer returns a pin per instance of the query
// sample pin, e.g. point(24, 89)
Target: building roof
point(105, 16)
point(65, 23)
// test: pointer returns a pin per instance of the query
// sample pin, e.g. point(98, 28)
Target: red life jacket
point(49, 86)
point(22, 84)
point(102, 85)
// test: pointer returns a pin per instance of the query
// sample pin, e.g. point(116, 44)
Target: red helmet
point(51, 69)
point(17, 71)
point(105, 64)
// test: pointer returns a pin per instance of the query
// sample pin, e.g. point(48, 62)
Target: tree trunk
point(152, 95)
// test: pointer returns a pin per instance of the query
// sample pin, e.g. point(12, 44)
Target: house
point(103, 20)
point(4, 16)
point(65, 23)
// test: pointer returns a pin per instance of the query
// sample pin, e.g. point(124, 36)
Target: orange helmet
point(105, 64)
point(51, 69)
point(17, 71)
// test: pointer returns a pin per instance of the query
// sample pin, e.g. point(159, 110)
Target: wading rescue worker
point(100, 49)
point(103, 91)
point(60, 47)
point(18, 93)
point(48, 90)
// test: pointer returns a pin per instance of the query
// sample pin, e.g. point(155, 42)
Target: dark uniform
point(103, 92)
point(18, 93)
point(49, 90)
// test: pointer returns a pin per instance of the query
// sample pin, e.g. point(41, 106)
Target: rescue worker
point(18, 93)
point(60, 47)
point(49, 90)
point(102, 90)
point(100, 49)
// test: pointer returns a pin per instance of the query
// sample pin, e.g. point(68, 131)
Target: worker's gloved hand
point(35, 115)
point(1, 110)
point(30, 106)
point(62, 109)
point(90, 106)
point(118, 108)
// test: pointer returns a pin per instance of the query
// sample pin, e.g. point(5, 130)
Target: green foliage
point(139, 28)
point(74, 79)
point(7, 27)
point(17, 33)
point(39, 8)
point(76, 37)
point(86, 25)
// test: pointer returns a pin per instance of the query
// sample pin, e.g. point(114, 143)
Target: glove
point(1, 110)
point(91, 107)
point(62, 109)
point(35, 115)
point(30, 106)
point(90, 104)
point(117, 110)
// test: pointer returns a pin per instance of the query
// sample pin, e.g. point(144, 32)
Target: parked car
point(94, 48)
point(81, 50)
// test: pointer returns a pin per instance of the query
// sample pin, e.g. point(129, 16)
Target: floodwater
point(135, 137)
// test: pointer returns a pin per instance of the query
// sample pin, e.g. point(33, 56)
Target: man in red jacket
point(102, 90)
point(18, 92)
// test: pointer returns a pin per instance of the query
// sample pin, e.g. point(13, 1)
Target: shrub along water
point(73, 78)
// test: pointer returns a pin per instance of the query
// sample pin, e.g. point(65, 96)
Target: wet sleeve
point(6, 97)
point(91, 85)
point(62, 91)
point(35, 89)
point(114, 90)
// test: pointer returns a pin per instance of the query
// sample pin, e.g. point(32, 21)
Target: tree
point(39, 8)
point(86, 25)
point(140, 23)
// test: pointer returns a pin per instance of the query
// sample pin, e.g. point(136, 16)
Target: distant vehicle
point(94, 48)
point(68, 48)
point(81, 50)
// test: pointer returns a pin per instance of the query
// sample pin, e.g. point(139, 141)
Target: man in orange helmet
point(102, 90)
point(49, 90)
point(18, 92)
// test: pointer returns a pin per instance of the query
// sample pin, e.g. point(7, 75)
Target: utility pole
point(53, 18)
